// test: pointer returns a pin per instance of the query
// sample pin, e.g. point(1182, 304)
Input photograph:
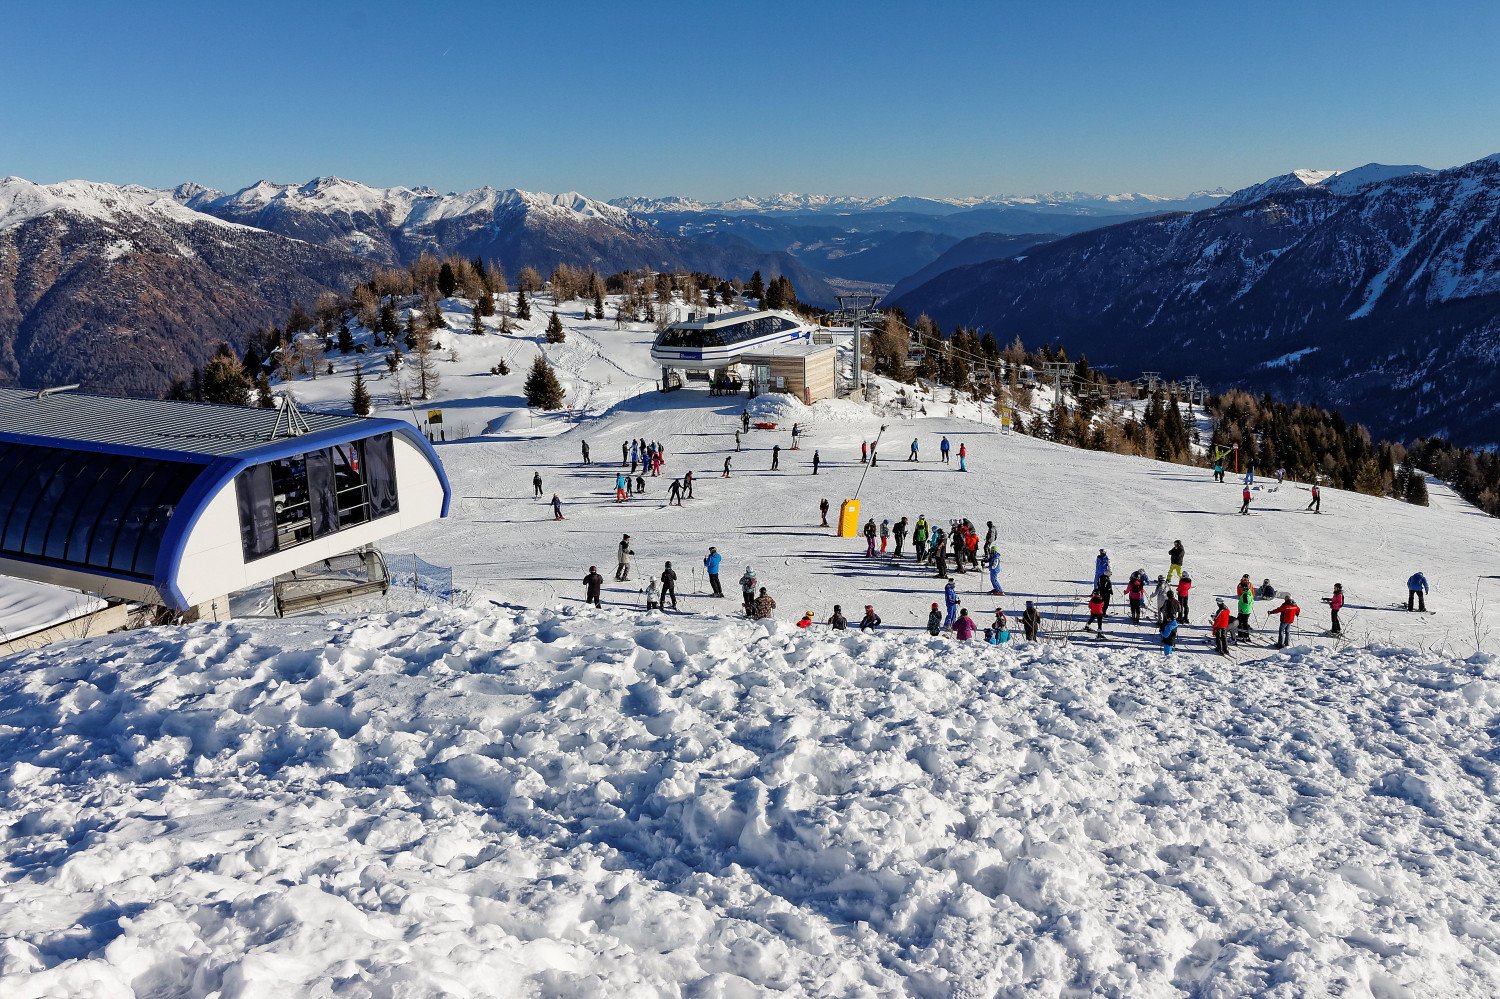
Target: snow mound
point(549, 803)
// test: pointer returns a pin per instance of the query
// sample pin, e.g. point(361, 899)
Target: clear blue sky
point(711, 100)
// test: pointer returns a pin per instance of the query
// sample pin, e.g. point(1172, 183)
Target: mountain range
point(1375, 291)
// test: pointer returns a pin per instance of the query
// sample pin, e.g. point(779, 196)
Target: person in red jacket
point(1135, 592)
point(1245, 501)
point(964, 627)
point(1184, 585)
point(1222, 617)
point(1335, 604)
point(1096, 612)
point(1287, 613)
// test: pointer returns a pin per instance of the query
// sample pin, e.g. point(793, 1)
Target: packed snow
point(507, 793)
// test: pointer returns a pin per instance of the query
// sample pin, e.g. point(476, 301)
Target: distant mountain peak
point(1341, 182)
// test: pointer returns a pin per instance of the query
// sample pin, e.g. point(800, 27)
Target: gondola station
point(172, 506)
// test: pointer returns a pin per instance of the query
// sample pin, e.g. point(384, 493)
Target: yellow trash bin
point(849, 518)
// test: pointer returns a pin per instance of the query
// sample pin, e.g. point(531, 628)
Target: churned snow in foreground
point(556, 803)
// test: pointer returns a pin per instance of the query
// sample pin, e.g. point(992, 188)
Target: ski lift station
point(176, 504)
point(773, 352)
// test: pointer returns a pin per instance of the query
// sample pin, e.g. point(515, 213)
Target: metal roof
point(181, 428)
point(722, 319)
point(787, 350)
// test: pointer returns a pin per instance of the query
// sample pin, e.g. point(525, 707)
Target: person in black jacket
point(1031, 621)
point(1106, 590)
point(837, 621)
point(1174, 561)
point(536, 484)
point(775, 457)
point(870, 621)
point(668, 587)
point(593, 583)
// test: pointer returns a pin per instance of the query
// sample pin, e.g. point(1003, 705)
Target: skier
point(823, 508)
point(1335, 604)
point(874, 458)
point(651, 600)
point(1221, 628)
point(775, 457)
point(1135, 592)
point(1174, 558)
point(1416, 591)
point(950, 600)
point(963, 453)
point(674, 492)
point(1001, 627)
point(864, 453)
point(993, 564)
point(939, 553)
point(870, 621)
point(796, 433)
point(711, 563)
point(957, 535)
point(964, 627)
point(1316, 503)
point(1096, 612)
point(1245, 502)
point(592, 584)
point(870, 538)
point(943, 448)
point(1219, 471)
point(585, 446)
point(1031, 621)
point(1106, 588)
point(536, 484)
point(747, 591)
point(725, 474)
point(640, 485)
point(737, 445)
point(919, 536)
point(687, 484)
point(913, 455)
point(764, 605)
point(837, 620)
point(1159, 598)
point(622, 571)
point(816, 461)
point(1101, 565)
point(1168, 636)
point(899, 531)
point(556, 507)
point(971, 545)
point(1287, 613)
point(1184, 585)
point(620, 487)
point(885, 534)
point(989, 535)
point(1245, 603)
point(934, 621)
point(668, 586)
point(745, 420)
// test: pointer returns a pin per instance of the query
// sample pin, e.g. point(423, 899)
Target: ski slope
point(510, 794)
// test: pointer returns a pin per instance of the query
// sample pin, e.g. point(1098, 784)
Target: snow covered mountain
point(1337, 181)
point(124, 288)
point(1104, 204)
point(1383, 301)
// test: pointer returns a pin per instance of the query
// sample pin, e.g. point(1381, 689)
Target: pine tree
point(346, 339)
point(523, 307)
point(224, 379)
point(359, 396)
point(447, 281)
point(598, 303)
point(543, 390)
point(476, 322)
point(1416, 488)
point(1368, 480)
point(758, 288)
point(263, 397)
point(555, 332)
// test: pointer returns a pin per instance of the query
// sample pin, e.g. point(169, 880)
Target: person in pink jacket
point(964, 627)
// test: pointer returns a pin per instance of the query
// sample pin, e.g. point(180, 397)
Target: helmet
point(934, 605)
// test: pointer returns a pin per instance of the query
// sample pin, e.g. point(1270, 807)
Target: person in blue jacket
point(913, 455)
point(993, 564)
point(712, 565)
point(1416, 592)
point(950, 598)
point(1101, 566)
point(943, 447)
point(1168, 635)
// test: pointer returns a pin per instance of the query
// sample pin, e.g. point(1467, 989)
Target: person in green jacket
point(919, 536)
point(1245, 605)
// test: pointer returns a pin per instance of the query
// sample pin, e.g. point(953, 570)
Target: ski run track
point(500, 792)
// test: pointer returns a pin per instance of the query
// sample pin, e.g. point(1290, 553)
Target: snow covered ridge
point(522, 803)
point(22, 200)
point(856, 203)
point(1344, 182)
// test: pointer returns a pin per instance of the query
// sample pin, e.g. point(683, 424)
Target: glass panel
point(349, 484)
point(91, 507)
point(323, 503)
point(257, 511)
point(148, 482)
point(13, 475)
point(380, 474)
point(55, 497)
point(293, 511)
point(32, 482)
point(175, 486)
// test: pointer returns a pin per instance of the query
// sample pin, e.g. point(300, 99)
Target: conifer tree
point(555, 332)
point(758, 288)
point(346, 339)
point(598, 302)
point(359, 396)
point(476, 322)
point(263, 397)
point(224, 379)
point(523, 307)
point(447, 281)
point(1416, 488)
point(543, 390)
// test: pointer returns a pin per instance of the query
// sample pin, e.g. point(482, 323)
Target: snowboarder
point(837, 621)
point(1184, 586)
point(536, 485)
point(993, 564)
point(1101, 565)
point(1221, 628)
point(943, 448)
point(775, 458)
point(674, 492)
point(816, 461)
point(1316, 503)
point(764, 605)
point(963, 454)
point(747, 591)
point(1168, 636)
point(870, 621)
point(1031, 621)
point(1097, 606)
point(1135, 592)
point(823, 508)
point(725, 474)
point(950, 599)
point(1416, 591)
point(593, 583)
point(711, 563)
point(899, 532)
point(585, 446)
point(668, 586)
point(556, 507)
point(934, 621)
point(1245, 501)
point(964, 627)
point(1175, 555)
point(885, 534)
point(1286, 613)
point(913, 455)
point(622, 571)
point(1335, 604)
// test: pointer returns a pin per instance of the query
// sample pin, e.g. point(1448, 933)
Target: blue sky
point(712, 100)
